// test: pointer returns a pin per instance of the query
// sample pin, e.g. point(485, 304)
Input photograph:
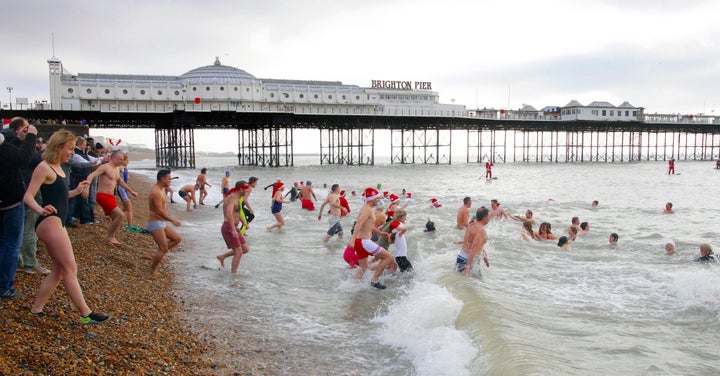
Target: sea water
point(538, 310)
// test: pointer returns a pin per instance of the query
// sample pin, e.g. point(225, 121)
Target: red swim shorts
point(231, 240)
point(365, 248)
point(106, 201)
point(307, 204)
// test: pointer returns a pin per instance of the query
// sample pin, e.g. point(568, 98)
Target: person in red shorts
point(230, 228)
point(305, 194)
point(365, 247)
point(108, 178)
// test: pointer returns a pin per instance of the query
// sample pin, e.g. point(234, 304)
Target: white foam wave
point(422, 325)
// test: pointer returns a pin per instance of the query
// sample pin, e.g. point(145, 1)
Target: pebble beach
point(148, 333)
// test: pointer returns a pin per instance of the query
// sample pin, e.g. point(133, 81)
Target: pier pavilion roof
point(217, 74)
point(600, 104)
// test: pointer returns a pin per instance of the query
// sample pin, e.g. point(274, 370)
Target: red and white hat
point(278, 185)
point(342, 193)
point(394, 197)
point(409, 195)
point(433, 200)
point(371, 194)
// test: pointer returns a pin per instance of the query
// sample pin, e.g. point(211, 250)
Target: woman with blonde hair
point(50, 180)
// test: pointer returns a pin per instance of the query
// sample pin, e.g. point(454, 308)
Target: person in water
point(706, 254)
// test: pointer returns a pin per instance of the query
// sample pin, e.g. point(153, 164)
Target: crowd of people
point(56, 184)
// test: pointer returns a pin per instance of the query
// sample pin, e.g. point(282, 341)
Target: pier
point(266, 138)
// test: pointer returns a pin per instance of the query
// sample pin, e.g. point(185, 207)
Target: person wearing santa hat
point(365, 247)
point(435, 204)
point(344, 203)
point(394, 202)
point(276, 208)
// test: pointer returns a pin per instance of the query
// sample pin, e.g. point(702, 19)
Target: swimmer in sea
point(706, 254)
point(613, 239)
point(528, 232)
point(670, 248)
point(496, 211)
point(572, 233)
point(584, 228)
point(544, 232)
point(668, 208)
point(595, 204)
point(564, 243)
point(528, 217)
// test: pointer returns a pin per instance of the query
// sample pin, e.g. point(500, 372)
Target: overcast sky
point(659, 54)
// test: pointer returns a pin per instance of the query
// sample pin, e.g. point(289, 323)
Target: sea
point(598, 309)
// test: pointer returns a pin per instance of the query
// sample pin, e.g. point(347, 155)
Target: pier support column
point(175, 147)
point(426, 146)
point(270, 147)
point(347, 146)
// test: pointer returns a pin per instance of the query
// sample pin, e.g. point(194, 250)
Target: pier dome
point(217, 74)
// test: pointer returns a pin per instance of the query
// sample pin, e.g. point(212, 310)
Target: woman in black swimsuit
point(49, 178)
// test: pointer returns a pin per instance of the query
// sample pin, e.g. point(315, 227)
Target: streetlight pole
point(10, 89)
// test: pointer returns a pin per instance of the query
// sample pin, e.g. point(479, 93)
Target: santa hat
point(385, 194)
point(278, 185)
point(394, 198)
point(409, 195)
point(342, 193)
point(371, 194)
point(433, 200)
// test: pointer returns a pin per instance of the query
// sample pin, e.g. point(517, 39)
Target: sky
point(663, 55)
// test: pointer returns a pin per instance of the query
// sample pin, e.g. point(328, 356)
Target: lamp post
point(10, 89)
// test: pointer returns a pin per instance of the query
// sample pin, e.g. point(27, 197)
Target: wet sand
point(149, 332)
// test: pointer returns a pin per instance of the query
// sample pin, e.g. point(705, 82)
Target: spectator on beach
point(81, 166)
point(49, 226)
point(463, 214)
point(165, 237)
point(200, 184)
point(15, 153)
point(28, 251)
point(230, 228)
point(108, 178)
point(187, 193)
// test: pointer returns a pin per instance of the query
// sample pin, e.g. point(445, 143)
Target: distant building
point(219, 87)
point(601, 111)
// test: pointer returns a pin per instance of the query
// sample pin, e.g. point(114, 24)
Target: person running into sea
point(200, 184)
point(463, 214)
point(230, 229)
point(123, 193)
point(394, 205)
point(365, 247)
point(336, 210)
point(109, 178)
point(305, 194)
point(53, 186)
point(224, 186)
point(187, 193)
point(398, 230)
point(246, 208)
point(474, 242)
point(276, 208)
point(344, 203)
point(165, 237)
point(293, 192)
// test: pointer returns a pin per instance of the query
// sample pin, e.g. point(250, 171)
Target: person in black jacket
point(15, 153)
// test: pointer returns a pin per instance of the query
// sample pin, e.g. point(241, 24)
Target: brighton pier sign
point(401, 85)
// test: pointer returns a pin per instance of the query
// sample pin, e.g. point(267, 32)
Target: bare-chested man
point(669, 208)
point(200, 184)
point(496, 211)
point(187, 193)
point(463, 213)
point(473, 243)
point(225, 186)
point(336, 211)
point(108, 178)
point(230, 230)
point(365, 247)
point(306, 193)
point(165, 237)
